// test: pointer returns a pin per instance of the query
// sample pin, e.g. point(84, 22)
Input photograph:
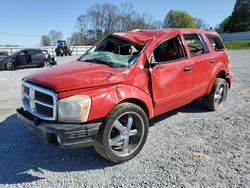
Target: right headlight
point(74, 109)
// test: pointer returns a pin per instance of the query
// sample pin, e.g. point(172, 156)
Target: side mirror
point(152, 60)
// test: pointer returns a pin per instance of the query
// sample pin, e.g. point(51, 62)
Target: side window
point(168, 50)
point(196, 44)
point(36, 52)
point(215, 42)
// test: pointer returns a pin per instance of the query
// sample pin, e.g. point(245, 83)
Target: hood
point(5, 58)
point(78, 75)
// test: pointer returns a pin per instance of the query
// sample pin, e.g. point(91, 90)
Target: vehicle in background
point(108, 95)
point(63, 48)
point(27, 58)
point(3, 54)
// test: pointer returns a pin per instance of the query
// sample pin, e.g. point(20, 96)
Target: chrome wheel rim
point(126, 134)
point(219, 96)
point(9, 66)
point(46, 64)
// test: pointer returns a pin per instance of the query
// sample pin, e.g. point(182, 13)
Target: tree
point(55, 36)
point(178, 19)
point(82, 22)
point(75, 39)
point(239, 20)
point(104, 17)
point(45, 40)
point(200, 24)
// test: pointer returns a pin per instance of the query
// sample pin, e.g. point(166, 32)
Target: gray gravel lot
point(188, 147)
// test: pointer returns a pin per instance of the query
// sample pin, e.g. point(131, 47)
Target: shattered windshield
point(114, 52)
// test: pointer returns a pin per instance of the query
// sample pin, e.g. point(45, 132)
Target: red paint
point(160, 88)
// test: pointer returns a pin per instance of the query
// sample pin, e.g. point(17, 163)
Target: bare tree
point(201, 24)
point(82, 24)
point(104, 17)
point(75, 39)
point(55, 36)
point(45, 40)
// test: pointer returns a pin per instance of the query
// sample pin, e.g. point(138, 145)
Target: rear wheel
point(216, 98)
point(10, 66)
point(46, 64)
point(123, 134)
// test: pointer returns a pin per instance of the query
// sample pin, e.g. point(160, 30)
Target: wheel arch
point(219, 71)
point(120, 94)
point(139, 103)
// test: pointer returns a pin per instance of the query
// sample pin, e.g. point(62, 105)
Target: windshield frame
point(91, 50)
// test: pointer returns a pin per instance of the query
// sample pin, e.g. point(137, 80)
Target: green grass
point(237, 45)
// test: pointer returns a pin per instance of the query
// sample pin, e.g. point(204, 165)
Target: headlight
point(74, 109)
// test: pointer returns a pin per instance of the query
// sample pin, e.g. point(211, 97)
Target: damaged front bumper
point(68, 136)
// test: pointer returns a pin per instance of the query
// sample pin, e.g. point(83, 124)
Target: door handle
point(212, 61)
point(188, 68)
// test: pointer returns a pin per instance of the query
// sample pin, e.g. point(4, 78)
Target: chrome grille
point(39, 101)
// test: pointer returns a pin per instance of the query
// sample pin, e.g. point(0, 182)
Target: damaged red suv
point(107, 96)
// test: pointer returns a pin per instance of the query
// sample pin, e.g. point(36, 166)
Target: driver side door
point(21, 59)
point(171, 76)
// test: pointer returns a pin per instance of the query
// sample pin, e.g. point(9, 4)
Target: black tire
point(217, 96)
point(103, 140)
point(10, 66)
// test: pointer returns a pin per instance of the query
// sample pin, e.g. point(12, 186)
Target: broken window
point(196, 44)
point(215, 42)
point(113, 51)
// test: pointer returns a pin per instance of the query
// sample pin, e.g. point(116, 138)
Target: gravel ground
point(188, 147)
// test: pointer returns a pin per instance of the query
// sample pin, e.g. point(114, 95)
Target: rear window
point(216, 42)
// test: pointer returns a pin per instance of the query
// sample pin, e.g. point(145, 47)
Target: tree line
point(102, 19)
point(239, 20)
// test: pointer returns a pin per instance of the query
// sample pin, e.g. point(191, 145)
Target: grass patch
point(237, 45)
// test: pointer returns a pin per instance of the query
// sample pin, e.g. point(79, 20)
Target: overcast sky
point(33, 18)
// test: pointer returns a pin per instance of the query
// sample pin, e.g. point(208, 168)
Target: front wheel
point(123, 134)
point(10, 66)
point(216, 98)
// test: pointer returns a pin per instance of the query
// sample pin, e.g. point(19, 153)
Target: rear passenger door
point(171, 75)
point(202, 61)
point(219, 52)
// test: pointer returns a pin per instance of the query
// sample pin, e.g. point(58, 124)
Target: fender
point(219, 67)
point(102, 105)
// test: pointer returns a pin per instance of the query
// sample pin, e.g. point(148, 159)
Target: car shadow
point(23, 154)
point(25, 158)
point(193, 107)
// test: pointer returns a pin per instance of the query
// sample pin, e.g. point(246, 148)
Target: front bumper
point(68, 136)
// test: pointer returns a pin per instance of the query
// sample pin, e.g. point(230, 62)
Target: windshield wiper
point(100, 62)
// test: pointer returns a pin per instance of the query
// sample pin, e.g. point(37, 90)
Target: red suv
point(107, 96)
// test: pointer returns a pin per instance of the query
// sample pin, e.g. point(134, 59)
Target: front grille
point(39, 101)
point(43, 97)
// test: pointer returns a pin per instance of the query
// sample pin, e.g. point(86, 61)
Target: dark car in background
point(27, 58)
point(3, 53)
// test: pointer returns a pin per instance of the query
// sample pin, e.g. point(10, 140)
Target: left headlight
point(74, 109)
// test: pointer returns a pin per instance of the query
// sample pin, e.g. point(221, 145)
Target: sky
point(33, 18)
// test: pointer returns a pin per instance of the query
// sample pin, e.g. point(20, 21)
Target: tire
point(10, 66)
point(217, 96)
point(129, 139)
